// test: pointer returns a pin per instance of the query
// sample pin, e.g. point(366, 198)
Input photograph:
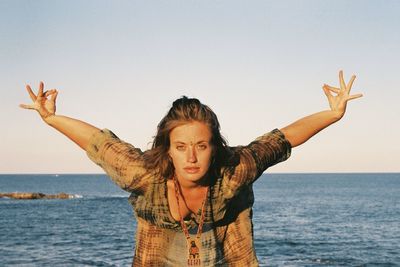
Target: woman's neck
point(188, 185)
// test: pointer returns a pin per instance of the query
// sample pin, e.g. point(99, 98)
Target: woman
point(192, 194)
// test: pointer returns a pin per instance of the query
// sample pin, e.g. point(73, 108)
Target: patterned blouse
point(227, 238)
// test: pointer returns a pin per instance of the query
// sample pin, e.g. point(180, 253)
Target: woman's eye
point(202, 147)
point(180, 147)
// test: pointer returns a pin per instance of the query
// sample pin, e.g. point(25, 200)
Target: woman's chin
point(196, 178)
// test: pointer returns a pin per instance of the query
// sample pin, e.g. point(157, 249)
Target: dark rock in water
point(29, 195)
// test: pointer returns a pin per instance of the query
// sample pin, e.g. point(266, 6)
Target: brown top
point(227, 238)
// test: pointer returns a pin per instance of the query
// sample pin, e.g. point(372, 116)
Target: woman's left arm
point(300, 131)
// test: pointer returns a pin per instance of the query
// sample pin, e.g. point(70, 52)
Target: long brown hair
point(185, 110)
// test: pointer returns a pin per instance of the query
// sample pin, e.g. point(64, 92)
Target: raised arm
point(121, 161)
point(45, 104)
point(300, 131)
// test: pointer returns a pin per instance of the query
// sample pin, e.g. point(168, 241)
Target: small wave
point(118, 196)
point(101, 196)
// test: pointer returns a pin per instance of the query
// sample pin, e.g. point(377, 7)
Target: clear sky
point(259, 65)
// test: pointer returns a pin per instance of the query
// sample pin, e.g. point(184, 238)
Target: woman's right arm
point(121, 161)
point(45, 104)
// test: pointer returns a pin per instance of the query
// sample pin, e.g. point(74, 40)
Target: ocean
point(299, 220)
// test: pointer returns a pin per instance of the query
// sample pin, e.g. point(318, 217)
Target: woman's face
point(191, 152)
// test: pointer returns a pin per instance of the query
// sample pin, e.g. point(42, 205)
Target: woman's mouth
point(192, 170)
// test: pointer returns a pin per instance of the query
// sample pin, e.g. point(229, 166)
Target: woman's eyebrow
point(199, 142)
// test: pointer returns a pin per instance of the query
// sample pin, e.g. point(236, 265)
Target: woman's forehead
point(191, 132)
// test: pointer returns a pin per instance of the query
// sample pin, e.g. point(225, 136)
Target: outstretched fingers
point(341, 80)
point(355, 96)
point(31, 93)
point(350, 84)
point(40, 92)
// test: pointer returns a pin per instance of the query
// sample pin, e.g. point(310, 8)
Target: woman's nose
point(192, 155)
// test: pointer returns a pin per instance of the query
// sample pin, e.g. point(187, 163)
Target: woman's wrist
point(49, 119)
point(337, 115)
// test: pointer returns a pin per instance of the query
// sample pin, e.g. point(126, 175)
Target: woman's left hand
point(338, 102)
point(43, 102)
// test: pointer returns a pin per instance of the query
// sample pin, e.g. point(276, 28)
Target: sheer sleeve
point(255, 158)
point(120, 160)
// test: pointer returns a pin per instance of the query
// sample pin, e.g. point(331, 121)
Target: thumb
point(24, 106)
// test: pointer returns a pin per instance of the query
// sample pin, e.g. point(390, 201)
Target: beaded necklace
point(193, 245)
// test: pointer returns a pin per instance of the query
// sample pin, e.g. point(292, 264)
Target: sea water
point(299, 220)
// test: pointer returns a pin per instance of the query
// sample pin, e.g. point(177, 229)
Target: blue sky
point(259, 64)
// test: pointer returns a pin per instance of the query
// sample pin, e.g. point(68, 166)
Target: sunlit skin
point(301, 130)
point(191, 154)
point(190, 148)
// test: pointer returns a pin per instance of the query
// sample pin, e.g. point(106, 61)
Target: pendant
point(194, 254)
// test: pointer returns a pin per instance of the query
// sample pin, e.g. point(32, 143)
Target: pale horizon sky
point(259, 65)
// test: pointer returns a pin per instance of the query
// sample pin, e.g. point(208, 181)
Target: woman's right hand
point(44, 102)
